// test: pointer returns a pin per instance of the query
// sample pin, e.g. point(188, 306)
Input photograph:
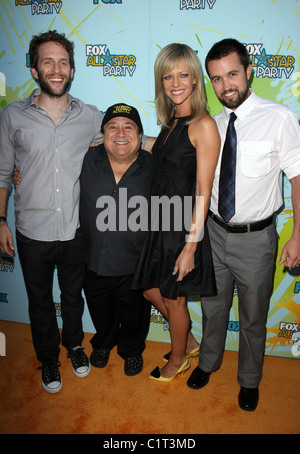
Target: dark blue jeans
point(39, 260)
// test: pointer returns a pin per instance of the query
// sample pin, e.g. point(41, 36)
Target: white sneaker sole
point(55, 388)
point(82, 372)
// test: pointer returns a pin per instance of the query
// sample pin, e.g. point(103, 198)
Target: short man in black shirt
point(115, 183)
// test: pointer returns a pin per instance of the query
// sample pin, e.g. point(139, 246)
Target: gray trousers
point(248, 260)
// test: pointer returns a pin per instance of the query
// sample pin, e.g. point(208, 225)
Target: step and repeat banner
point(116, 43)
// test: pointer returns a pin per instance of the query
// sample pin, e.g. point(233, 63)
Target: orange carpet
point(109, 402)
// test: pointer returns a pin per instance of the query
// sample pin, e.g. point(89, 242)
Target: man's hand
point(95, 144)
point(16, 178)
point(290, 255)
point(6, 240)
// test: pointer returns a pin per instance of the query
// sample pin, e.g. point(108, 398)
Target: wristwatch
point(3, 221)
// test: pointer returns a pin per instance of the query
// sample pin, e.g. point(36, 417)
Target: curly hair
point(50, 36)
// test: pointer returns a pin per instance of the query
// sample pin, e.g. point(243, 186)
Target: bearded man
point(46, 136)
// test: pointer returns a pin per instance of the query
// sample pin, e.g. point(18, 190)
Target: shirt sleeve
point(290, 146)
point(6, 151)
point(98, 121)
point(144, 138)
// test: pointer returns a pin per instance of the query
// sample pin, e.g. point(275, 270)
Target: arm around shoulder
point(149, 143)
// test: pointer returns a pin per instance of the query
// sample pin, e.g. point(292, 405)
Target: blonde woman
point(176, 261)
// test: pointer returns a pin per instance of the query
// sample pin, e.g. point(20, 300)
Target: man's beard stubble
point(234, 103)
point(46, 88)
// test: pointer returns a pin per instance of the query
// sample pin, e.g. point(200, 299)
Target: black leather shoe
point(99, 357)
point(248, 398)
point(198, 379)
point(133, 365)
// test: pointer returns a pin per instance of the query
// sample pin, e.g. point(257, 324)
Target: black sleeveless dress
point(175, 178)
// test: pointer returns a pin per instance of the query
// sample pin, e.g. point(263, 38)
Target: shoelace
point(50, 370)
point(77, 356)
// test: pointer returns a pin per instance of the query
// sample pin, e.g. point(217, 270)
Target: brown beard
point(45, 87)
point(242, 96)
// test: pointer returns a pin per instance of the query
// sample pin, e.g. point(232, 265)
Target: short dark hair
point(50, 36)
point(226, 47)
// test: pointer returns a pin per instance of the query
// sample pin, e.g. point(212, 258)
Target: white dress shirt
point(268, 143)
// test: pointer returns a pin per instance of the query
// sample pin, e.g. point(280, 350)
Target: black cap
point(122, 110)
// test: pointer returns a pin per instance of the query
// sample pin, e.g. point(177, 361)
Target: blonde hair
point(166, 61)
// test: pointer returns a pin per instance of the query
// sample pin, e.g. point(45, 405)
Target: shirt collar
point(245, 108)
point(28, 102)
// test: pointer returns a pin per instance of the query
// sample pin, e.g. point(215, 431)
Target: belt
point(242, 228)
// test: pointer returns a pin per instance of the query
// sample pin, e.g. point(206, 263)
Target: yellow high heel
point(155, 374)
point(193, 354)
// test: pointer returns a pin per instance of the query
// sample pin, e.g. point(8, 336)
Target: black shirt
point(114, 216)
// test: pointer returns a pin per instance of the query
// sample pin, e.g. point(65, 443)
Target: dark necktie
point(227, 174)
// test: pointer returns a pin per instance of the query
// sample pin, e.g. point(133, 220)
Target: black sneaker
point(51, 380)
point(99, 357)
point(80, 362)
point(133, 365)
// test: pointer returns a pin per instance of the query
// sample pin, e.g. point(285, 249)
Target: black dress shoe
point(133, 365)
point(99, 357)
point(198, 379)
point(248, 398)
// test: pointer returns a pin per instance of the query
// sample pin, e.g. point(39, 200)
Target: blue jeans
point(39, 260)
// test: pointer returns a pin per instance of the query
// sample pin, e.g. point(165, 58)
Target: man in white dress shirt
point(244, 247)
